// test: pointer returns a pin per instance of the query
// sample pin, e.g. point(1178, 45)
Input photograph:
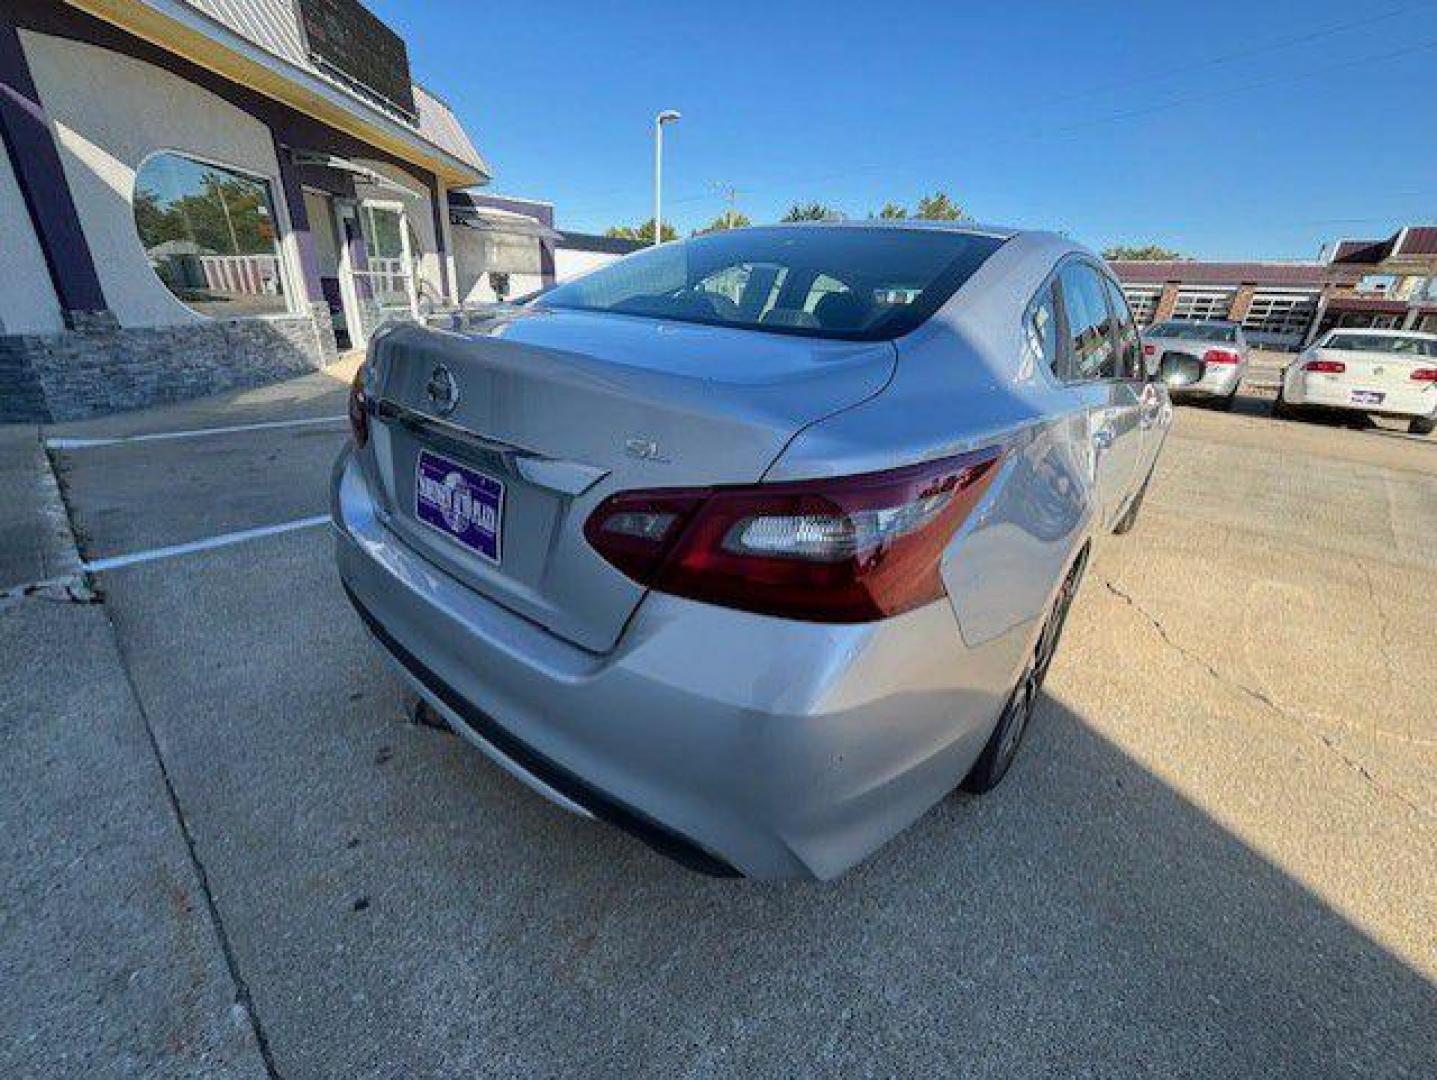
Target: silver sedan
point(1199, 359)
point(759, 544)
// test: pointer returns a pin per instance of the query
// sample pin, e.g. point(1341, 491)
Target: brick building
point(1384, 283)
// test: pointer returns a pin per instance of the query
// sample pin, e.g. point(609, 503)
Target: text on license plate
point(1367, 397)
point(466, 506)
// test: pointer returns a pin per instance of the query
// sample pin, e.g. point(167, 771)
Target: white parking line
point(62, 443)
point(115, 562)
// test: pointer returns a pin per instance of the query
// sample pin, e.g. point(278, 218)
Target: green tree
point(892, 212)
point(1147, 253)
point(939, 207)
point(811, 212)
point(729, 219)
point(644, 234)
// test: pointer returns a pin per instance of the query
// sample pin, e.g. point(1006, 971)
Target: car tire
point(1227, 403)
point(1002, 746)
point(1281, 410)
point(1422, 425)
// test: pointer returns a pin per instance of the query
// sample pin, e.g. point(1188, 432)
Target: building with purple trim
point(203, 194)
point(506, 247)
point(1388, 283)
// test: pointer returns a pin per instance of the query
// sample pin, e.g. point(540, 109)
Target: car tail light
point(1325, 367)
point(850, 549)
point(358, 409)
point(1149, 350)
point(1221, 356)
point(1425, 374)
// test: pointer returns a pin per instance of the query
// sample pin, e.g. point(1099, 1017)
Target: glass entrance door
point(378, 264)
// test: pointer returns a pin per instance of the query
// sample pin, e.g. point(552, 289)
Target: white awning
point(368, 175)
point(492, 219)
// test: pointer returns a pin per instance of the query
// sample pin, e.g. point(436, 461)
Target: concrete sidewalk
point(35, 542)
point(111, 958)
point(320, 393)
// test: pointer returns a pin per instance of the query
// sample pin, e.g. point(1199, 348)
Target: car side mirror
point(1180, 369)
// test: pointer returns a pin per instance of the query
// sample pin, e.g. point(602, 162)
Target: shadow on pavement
point(399, 906)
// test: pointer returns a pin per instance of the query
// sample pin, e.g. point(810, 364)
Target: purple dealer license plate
point(1367, 397)
point(464, 505)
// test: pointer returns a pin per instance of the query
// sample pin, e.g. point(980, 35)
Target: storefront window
point(210, 235)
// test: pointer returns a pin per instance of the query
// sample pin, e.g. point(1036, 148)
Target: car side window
point(1092, 352)
point(1040, 333)
point(1130, 350)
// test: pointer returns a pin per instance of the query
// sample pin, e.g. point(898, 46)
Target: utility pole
point(729, 194)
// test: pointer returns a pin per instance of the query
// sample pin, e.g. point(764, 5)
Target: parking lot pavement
point(1265, 367)
point(1215, 856)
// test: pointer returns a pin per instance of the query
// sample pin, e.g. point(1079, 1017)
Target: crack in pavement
point(1384, 623)
point(77, 589)
point(1322, 738)
point(243, 998)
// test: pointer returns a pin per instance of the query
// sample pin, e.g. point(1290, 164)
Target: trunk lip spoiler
point(571, 478)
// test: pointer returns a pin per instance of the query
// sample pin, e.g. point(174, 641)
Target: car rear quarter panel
point(961, 384)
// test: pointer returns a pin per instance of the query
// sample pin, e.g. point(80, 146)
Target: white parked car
point(1378, 372)
point(1198, 359)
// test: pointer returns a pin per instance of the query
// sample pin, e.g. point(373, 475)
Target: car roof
point(1200, 322)
point(973, 228)
point(1372, 331)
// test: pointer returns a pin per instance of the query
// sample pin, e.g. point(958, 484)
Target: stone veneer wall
point(97, 367)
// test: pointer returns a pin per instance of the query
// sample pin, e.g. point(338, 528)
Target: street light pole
point(665, 117)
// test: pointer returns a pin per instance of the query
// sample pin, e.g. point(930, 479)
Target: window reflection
point(210, 236)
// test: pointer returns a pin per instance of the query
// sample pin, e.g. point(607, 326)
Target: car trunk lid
point(494, 445)
point(1382, 371)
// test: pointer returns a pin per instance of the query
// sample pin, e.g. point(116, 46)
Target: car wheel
point(1227, 403)
point(1422, 425)
point(1281, 410)
point(1002, 746)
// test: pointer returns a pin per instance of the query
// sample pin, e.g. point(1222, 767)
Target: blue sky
point(1225, 130)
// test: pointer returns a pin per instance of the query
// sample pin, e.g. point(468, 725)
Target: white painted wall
point(569, 263)
point(478, 252)
point(27, 298)
point(110, 112)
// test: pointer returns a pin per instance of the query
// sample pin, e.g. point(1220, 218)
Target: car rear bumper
point(1219, 380)
point(733, 742)
point(1322, 391)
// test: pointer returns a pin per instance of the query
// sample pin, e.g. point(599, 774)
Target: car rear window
point(1384, 343)
point(850, 283)
point(1191, 331)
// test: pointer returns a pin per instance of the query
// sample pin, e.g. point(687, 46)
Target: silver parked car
point(758, 544)
point(1199, 359)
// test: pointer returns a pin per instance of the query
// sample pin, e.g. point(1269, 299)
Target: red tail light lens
point(358, 409)
point(1148, 350)
point(852, 549)
point(1221, 356)
point(1425, 374)
point(1325, 367)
